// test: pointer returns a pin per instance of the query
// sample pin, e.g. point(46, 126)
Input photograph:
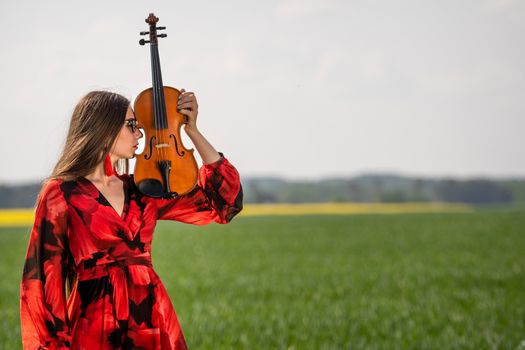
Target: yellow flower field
point(16, 217)
point(24, 217)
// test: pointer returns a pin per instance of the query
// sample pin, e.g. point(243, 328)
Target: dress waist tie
point(126, 277)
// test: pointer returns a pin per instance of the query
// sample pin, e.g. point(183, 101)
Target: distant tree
point(473, 191)
point(394, 196)
point(256, 195)
point(355, 192)
point(378, 188)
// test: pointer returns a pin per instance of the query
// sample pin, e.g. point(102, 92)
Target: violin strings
point(157, 105)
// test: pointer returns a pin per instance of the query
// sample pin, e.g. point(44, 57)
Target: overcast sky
point(295, 88)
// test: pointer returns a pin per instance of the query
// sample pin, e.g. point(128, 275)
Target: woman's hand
point(187, 105)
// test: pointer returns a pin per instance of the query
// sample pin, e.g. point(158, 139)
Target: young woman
point(88, 282)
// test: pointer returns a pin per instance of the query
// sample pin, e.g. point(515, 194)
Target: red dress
point(118, 301)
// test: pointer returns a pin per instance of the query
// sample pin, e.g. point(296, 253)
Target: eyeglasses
point(132, 124)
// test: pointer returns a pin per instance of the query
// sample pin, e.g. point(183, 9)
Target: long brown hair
point(95, 124)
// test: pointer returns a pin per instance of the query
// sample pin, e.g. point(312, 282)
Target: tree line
point(363, 188)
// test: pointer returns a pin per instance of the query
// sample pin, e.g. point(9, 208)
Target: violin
point(165, 169)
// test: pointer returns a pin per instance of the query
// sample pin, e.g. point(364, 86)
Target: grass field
point(397, 281)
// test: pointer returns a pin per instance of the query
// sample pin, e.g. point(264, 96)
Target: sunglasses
point(132, 124)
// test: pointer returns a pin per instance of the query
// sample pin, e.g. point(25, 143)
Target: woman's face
point(127, 141)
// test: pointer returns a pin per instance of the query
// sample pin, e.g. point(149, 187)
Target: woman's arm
point(218, 195)
point(43, 312)
point(188, 106)
point(208, 154)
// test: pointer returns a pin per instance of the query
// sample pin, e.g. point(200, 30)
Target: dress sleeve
point(43, 309)
point(216, 198)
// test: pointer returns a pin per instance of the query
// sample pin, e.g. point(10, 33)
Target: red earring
point(108, 166)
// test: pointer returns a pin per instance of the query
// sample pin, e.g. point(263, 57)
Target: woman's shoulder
point(53, 188)
point(58, 187)
point(51, 185)
point(52, 195)
point(64, 185)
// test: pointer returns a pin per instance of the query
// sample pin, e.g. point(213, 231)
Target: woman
point(93, 233)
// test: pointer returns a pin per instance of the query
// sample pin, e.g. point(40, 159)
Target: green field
point(403, 281)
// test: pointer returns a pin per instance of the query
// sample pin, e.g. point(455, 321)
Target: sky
point(298, 89)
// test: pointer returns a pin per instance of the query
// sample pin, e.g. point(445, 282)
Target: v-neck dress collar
point(101, 195)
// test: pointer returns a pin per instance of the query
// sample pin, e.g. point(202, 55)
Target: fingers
point(186, 112)
point(187, 100)
point(188, 115)
point(187, 96)
point(187, 105)
point(190, 105)
point(184, 93)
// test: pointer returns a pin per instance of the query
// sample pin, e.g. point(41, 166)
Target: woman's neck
point(99, 174)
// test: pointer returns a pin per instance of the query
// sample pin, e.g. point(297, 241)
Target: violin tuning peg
point(144, 33)
point(160, 28)
point(162, 35)
point(142, 41)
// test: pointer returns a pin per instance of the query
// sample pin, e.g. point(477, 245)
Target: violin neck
point(159, 105)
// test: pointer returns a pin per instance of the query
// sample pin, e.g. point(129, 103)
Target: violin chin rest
point(151, 187)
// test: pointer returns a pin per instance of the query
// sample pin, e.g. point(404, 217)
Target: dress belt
point(97, 271)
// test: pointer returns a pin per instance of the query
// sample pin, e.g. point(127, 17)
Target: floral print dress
point(117, 300)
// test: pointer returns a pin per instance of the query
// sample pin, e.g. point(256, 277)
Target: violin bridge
point(162, 145)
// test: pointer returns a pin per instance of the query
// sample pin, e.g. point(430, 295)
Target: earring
point(108, 167)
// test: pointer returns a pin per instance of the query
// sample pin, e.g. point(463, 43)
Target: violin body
point(161, 145)
point(165, 168)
